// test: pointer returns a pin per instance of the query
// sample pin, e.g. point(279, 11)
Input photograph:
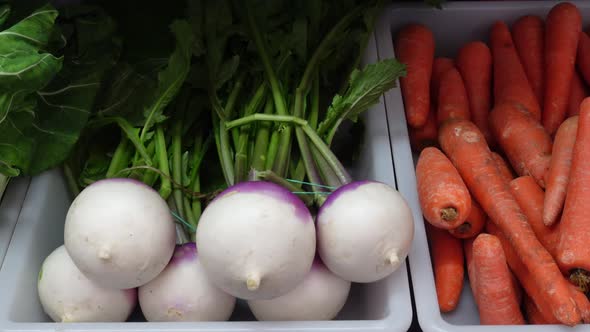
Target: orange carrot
point(524, 140)
point(468, 251)
point(511, 84)
point(505, 170)
point(534, 316)
point(447, 261)
point(414, 46)
point(578, 92)
point(495, 297)
point(439, 67)
point(465, 146)
point(444, 198)
point(426, 135)
point(582, 303)
point(573, 251)
point(474, 62)
point(529, 38)
point(473, 225)
point(562, 31)
point(527, 279)
point(583, 56)
point(530, 198)
point(559, 170)
point(452, 97)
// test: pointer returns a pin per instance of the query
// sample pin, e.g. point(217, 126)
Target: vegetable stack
point(516, 149)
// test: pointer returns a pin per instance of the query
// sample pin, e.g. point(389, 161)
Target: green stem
point(70, 179)
point(162, 156)
point(328, 175)
point(120, 158)
point(274, 178)
point(323, 149)
point(196, 206)
point(190, 217)
point(129, 131)
point(176, 148)
point(262, 138)
point(149, 177)
point(315, 102)
point(222, 140)
point(241, 162)
point(273, 148)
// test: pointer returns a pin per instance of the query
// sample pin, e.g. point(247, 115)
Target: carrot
point(414, 46)
point(530, 198)
point(524, 140)
point(474, 62)
point(505, 170)
point(495, 297)
point(447, 261)
point(583, 56)
point(578, 92)
point(444, 198)
point(452, 97)
point(529, 38)
point(562, 31)
point(511, 84)
point(426, 135)
point(439, 67)
point(465, 146)
point(473, 225)
point(559, 170)
point(534, 316)
point(573, 251)
point(527, 279)
point(468, 251)
point(582, 303)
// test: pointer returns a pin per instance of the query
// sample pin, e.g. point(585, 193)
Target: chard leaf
point(171, 79)
point(364, 89)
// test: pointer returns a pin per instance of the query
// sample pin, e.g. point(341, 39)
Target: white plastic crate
point(380, 306)
point(10, 207)
point(453, 26)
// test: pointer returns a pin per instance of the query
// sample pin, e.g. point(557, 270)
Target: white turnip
point(365, 230)
point(256, 240)
point(66, 295)
point(320, 296)
point(120, 233)
point(182, 292)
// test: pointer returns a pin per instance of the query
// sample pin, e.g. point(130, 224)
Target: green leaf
point(364, 89)
point(171, 79)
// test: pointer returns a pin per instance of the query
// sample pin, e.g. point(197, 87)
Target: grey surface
point(455, 25)
point(381, 306)
point(10, 207)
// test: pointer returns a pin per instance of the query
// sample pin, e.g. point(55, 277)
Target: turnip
point(320, 296)
point(120, 233)
point(364, 229)
point(66, 295)
point(182, 292)
point(256, 240)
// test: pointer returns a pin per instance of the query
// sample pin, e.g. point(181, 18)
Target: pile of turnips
point(255, 241)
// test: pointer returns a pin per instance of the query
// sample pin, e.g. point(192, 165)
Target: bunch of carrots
point(503, 174)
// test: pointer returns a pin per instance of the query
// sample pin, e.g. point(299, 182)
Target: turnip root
point(320, 296)
point(182, 292)
point(66, 295)
point(365, 230)
point(120, 233)
point(256, 240)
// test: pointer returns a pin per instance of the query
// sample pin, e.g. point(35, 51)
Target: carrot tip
point(448, 214)
point(581, 278)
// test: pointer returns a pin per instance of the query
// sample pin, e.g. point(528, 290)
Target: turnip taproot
point(320, 296)
point(365, 229)
point(120, 233)
point(66, 295)
point(256, 240)
point(182, 292)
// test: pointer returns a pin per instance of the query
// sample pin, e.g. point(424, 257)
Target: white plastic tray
point(10, 207)
point(382, 306)
point(453, 26)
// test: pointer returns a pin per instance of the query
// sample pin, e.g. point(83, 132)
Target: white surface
point(10, 207)
point(380, 306)
point(457, 24)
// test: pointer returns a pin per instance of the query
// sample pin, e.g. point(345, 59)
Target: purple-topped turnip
point(182, 292)
point(66, 295)
point(120, 233)
point(320, 296)
point(364, 229)
point(256, 240)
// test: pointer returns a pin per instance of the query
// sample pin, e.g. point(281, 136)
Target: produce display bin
point(453, 26)
point(10, 207)
point(380, 306)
